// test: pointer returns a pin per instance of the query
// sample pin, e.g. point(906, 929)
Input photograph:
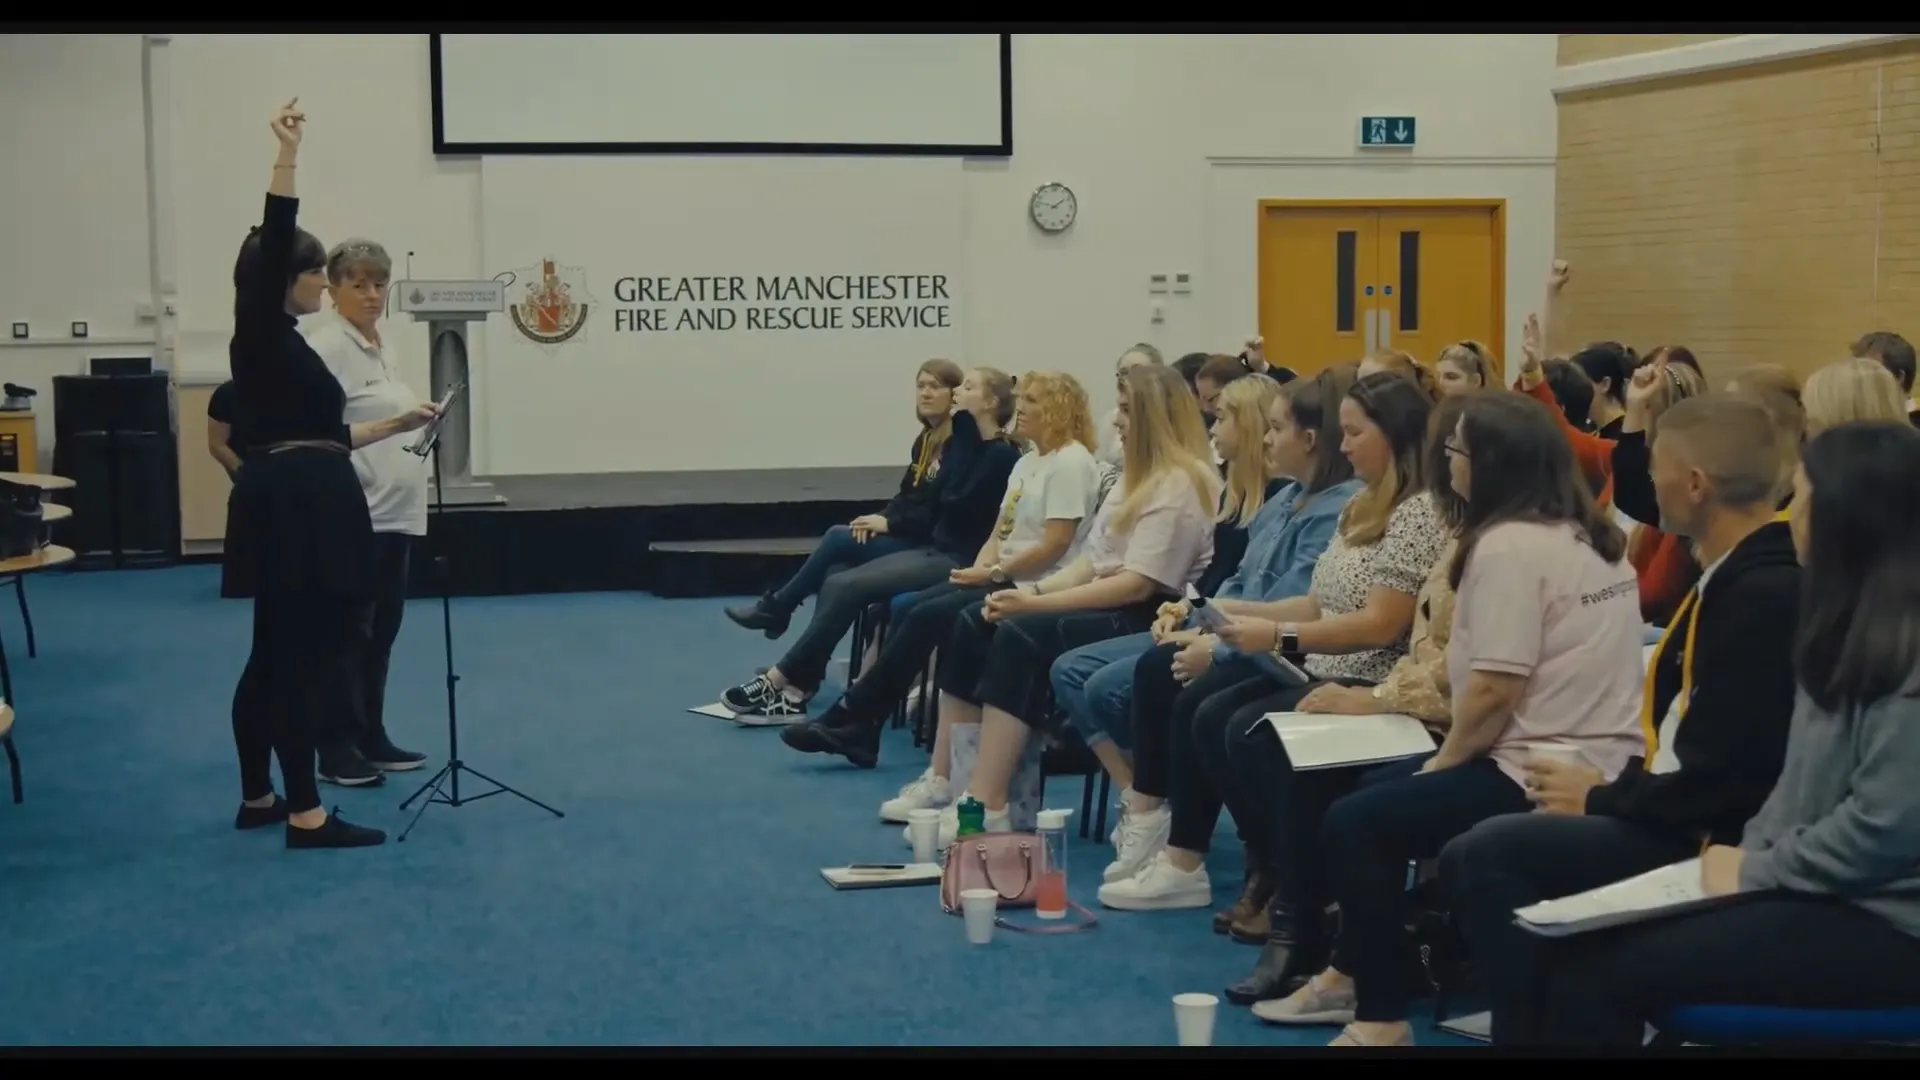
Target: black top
point(968, 491)
point(224, 407)
point(909, 513)
point(1734, 737)
point(284, 388)
point(1229, 547)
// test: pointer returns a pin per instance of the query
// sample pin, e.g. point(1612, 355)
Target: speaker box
point(114, 437)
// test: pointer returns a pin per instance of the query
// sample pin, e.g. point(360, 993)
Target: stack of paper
point(881, 876)
point(1669, 890)
point(1325, 741)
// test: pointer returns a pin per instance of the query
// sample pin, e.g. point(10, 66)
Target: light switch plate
point(1157, 283)
point(19, 331)
point(1183, 283)
point(79, 329)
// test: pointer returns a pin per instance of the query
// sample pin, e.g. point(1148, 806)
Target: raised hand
point(1557, 275)
point(288, 124)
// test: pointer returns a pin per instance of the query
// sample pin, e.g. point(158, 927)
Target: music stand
point(445, 306)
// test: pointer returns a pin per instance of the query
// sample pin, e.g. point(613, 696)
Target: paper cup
point(923, 831)
point(979, 907)
point(1193, 1018)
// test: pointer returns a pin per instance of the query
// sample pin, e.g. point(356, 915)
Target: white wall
point(1168, 140)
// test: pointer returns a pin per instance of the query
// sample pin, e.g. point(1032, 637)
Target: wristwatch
point(998, 575)
point(1288, 639)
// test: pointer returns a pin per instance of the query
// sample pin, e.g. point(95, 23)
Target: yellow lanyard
point(1689, 610)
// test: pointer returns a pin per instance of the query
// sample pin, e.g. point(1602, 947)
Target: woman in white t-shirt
point(1545, 659)
point(350, 341)
point(1050, 501)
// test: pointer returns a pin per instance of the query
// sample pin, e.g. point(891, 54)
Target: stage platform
point(671, 533)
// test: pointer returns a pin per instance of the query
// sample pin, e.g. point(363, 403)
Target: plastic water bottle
point(1050, 895)
point(973, 817)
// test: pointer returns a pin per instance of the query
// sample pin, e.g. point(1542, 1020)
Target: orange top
point(1593, 453)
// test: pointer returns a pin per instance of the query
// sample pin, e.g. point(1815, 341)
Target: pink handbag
point(1009, 864)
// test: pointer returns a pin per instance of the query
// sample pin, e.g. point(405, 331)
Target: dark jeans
point(1776, 949)
point(1006, 664)
point(298, 677)
point(1398, 815)
point(915, 632)
point(373, 653)
point(1280, 813)
point(1180, 738)
point(836, 549)
point(848, 593)
point(1509, 862)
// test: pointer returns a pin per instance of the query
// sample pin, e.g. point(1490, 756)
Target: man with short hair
point(1895, 354)
point(1719, 696)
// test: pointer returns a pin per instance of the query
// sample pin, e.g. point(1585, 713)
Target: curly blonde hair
point(1061, 413)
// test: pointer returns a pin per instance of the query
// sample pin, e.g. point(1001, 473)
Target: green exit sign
point(1386, 131)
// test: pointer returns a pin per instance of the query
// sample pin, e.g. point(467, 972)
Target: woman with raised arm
point(307, 534)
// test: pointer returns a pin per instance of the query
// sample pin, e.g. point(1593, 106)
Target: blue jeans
point(1094, 686)
point(836, 550)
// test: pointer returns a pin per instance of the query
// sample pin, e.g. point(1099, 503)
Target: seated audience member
point(1189, 368)
point(1110, 451)
point(1896, 355)
point(1714, 712)
point(902, 525)
point(1152, 538)
point(1544, 660)
point(1572, 391)
point(1352, 622)
point(1254, 353)
point(1766, 379)
point(226, 433)
point(1260, 784)
point(1214, 375)
point(1852, 390)
point(1271, 530)
point(965, 497)
point(1048, 507)
point(1400, 363)
point(1827, 874)
point(1464, 366)
point(1609, 366)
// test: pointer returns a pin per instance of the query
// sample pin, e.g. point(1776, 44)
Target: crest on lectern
point(552, 304)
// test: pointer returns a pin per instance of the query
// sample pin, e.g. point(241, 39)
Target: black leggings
point(915, 633)
point(1180, 738)
point(373, 653)
point(298, 677)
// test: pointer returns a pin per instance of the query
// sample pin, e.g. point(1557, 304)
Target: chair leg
point(1106, 800)
point(26, 617)
point(13, 768)
point(1086, 808)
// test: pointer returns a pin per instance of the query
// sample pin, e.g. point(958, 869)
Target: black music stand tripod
point(444, 786)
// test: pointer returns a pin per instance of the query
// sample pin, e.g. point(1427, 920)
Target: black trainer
point(346, 767)
point(257, 817)
point(383, 755)
point(836, 732)
point(337, 832)
point(759, 697)
point(763, 615)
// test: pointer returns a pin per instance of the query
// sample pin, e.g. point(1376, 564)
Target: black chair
point(1067, 755)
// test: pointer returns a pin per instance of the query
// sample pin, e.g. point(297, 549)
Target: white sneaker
point(1159, 887)
point(925, 792)
point(1141, 836)
point(1119, 819)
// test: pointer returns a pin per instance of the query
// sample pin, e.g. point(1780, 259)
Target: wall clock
point(1053, 208)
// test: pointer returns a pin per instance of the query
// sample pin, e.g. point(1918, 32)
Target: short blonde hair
point(1064, 415)
point(1847, 390)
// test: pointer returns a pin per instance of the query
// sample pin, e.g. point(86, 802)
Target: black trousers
point(1509, 862)
point(373, 653)
point(844, 596)
point(299, 676)
point(1180, 740)
point(917, 631)
point(1007, 664)
point(1775, 949)
point(1281, 812)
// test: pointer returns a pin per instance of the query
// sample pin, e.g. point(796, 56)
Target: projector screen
point(919, 94)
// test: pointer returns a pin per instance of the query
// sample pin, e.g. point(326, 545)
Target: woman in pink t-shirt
point(1545, 658)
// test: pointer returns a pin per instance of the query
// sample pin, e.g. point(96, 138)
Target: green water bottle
point(973, 817)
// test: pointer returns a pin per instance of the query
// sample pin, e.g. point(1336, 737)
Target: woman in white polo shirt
point(349, 339)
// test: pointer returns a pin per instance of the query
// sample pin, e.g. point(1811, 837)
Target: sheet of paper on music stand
point(858, 877)
point(1323, 741)
point(431, 432)
point(1670, 890)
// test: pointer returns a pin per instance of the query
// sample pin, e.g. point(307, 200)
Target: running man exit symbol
point(1386, 131)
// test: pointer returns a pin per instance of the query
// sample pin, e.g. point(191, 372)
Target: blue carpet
point(678, 903)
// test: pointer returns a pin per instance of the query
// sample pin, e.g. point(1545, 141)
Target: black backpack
point(22, 526)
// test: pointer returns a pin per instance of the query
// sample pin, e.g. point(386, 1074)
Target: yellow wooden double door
point(1340, 282)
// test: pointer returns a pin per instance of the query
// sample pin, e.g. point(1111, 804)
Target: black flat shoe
point(259, 817)
point(760, 615)
point(858, 743)
point(335, 832)
point(1282, 967)
point(805, 737)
